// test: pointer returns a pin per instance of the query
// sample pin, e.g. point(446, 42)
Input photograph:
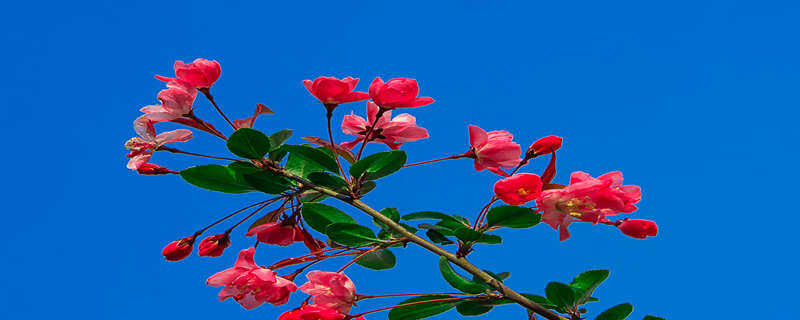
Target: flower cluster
point(309, 175)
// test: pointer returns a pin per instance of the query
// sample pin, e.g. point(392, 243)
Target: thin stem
point(459, 261)
point(366, 296)
point(484, 212)
point(356, 259)
point(233, 214)
point(173, 150)
point(369, 131)
point(251, 214)
point(206, 92)
point(404, 305)
point(457, 156)
point(331, 146)
point(210, 130)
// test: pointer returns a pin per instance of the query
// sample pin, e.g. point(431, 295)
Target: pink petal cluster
point(397, 93)
point(331, 91)
point(176, 101)
point(638, 228)
point(587, 199)
point(519, 188)
point(277, 233)
point(251, 285)
point(495, 149)
point(331, 290)
point(142, 147)
point(200, 73)
point(392, 132)
point(312, 312)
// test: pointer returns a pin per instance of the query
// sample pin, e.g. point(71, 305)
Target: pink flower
point(494, 149)
point(638, 228)
point(545, 145)
point(277, 233)
point(312, 312)
point(397, 93)
point(201, 73)
point(392, 132)
point(249, 121)
point(153, 169)
point(176, 101)
point(213, 246)
point(251, 285)
point(179, 249)
point(142, 147)
point(519, 188)
point(587, 199)
point(331, 290)
point(331, 91)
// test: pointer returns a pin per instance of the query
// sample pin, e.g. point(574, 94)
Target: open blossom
point(178, 249)
point(312, 312)
point(330, 290)
point(213, 246)
point(494, 149)
point(142, 147)
point(397, 93)
point(638, 228)
point(200, 73)
point(519, 188)
point(331, 91)
point(251, 285)
point(587, 199)
point(545, 145)
point(176, 101)
point(392, 132)
point(277, 233)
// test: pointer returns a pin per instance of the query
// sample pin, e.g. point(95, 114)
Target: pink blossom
point(545, 145)
point(178, 249)
point(313, 312)
point(330, 290)
point(494, 149)
point(331, 91)
point(392, 132)
point(214, 246)
point(519, 188)
point(200, 73)
point(176, 101)
point(249, 121)
point(587, 199)
point(251, 285)
point(638, 228)
point(277, 233)
point(142, 147)
point(397, 93)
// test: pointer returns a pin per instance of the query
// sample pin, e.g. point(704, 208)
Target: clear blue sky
point(696, 101)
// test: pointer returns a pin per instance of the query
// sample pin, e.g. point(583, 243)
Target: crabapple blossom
point(638, 228)
point(251, 285)
point(179, 249)
point(397, 93)
point(544, 145)
point(142, 147)
point(277, 233)
point(332, 92)
point(494, 149)
point(312, 312)
point(519, 188)
point(330, 290)
point(213, 246)
point(200, 73)
point(391, 132)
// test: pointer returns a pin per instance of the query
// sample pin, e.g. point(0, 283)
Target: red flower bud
point(178, 249)
point(397, 93)
point(213, 246)
point(332, 92)
point(519, 188)
point(638, 228)
point(153, 169)
point(545, 145)
point(200, 73)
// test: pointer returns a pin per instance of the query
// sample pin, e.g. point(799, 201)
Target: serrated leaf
point(618, 312)
point(248, 143)
point(421, 310)
point(379, 165)
point(473, 307)
point(350, 234)
point(513, 217)
point(277, 139)
point(587, 282)
point(458, 281)
point(216, 178)
point(319, 216)
point(378, 260)
point(561, 294)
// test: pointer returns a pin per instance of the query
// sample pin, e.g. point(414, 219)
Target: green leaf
point(217, 178)
point(535, 298)
point(350, 234)
point(453, 220)
point(473, 308)
point(458, 281)
point(277, 139)
point(319, 216)
point(366, 187)
point(248, 143)
point(391, 213)
point(327, 180)
point(438, 238)
point(243, 167)
point(618, 312)
point(467, 234)
point(490, 239)
point(421, 310)
point(587, 282)
point(267, 182)
point(513, 217)
point(561, 294)
point(378, 260)
point(649, 317)
point(278, 154)
point(500, 277)
point(311, 159)
point(379, 165)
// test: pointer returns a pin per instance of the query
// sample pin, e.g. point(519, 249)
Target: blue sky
point(695, 101)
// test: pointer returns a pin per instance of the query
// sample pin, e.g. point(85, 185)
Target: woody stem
point(206, 92)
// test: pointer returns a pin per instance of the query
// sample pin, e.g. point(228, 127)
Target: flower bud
point(544, 146)
point(153, 169)
point(213, 246)
point(200, 73)
point(178, 249)
point(638, 228)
